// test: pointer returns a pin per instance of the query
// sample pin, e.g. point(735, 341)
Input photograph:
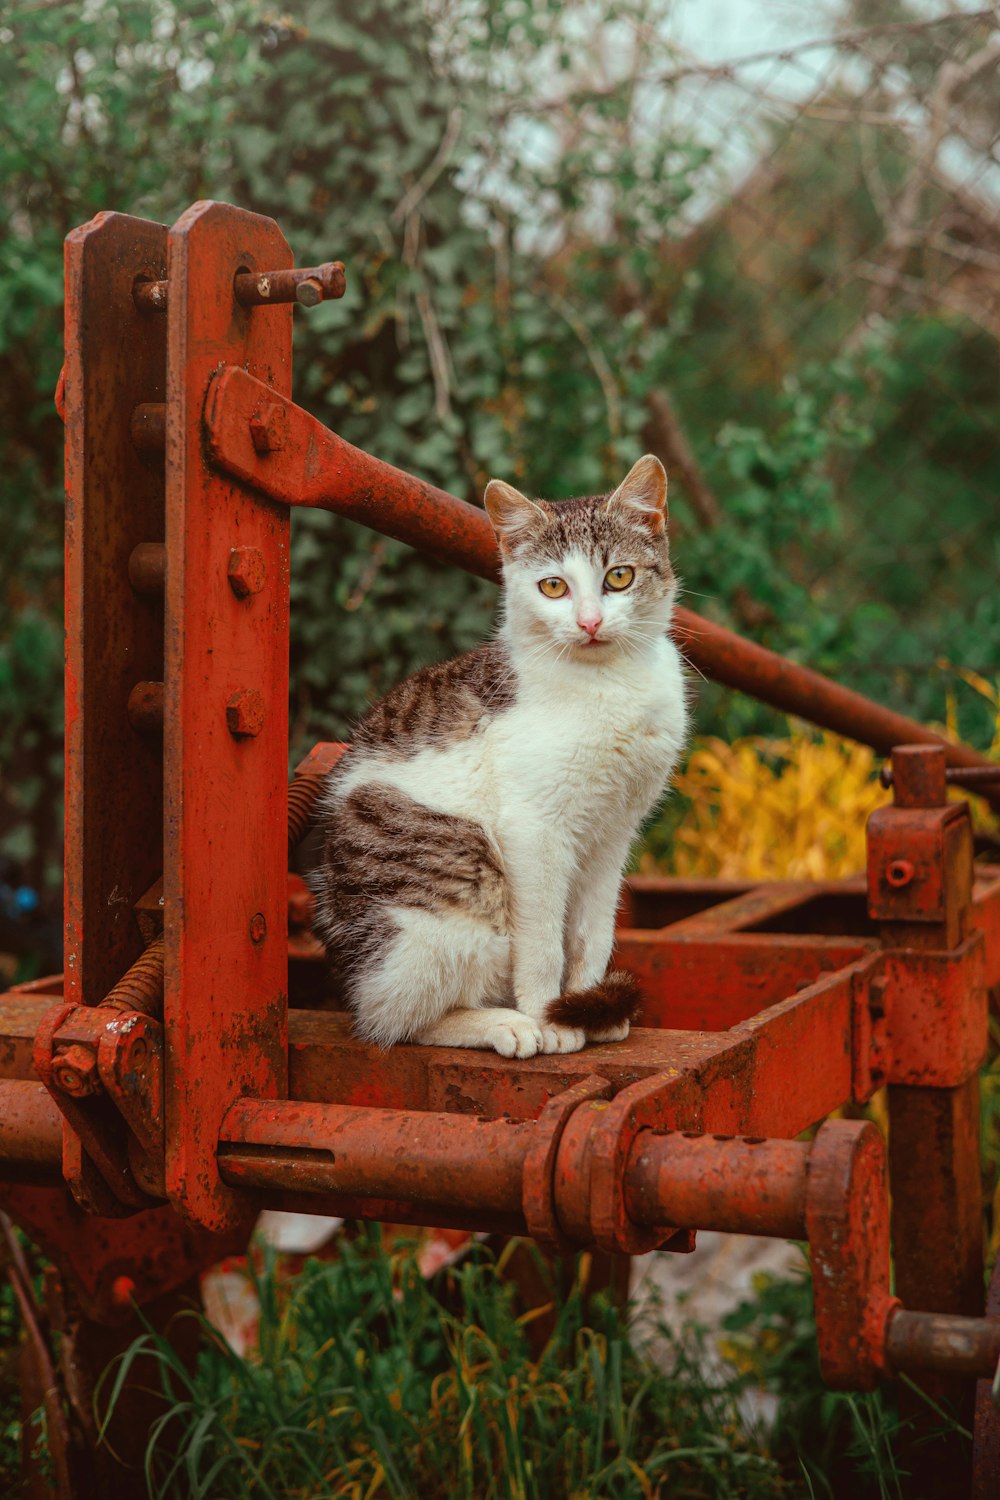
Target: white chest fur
point(582, 745)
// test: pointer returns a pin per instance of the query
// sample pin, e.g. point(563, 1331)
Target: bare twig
point(437, 351)
point(418, 192)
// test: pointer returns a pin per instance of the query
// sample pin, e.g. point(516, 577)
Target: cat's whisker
point(689, 663)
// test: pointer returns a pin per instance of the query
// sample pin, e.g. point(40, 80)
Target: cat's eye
point(618, 578)
point(553, 588)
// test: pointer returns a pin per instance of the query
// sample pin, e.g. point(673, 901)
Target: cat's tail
point(615, 1000)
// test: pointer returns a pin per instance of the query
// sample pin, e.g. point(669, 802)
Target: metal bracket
point(86, 1058)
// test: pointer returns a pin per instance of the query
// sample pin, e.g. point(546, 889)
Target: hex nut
point(75, 1071)
point(269, 428)
point(245, 713)
point(247, 571)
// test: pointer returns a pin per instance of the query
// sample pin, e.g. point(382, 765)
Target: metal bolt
point(899, 873)
point(247, 571)
point(75, 1071)
point(269, 428)
point(122, 1291)
point(309, 292)
point(245, 712)
point(258, 927)
point(145, 707)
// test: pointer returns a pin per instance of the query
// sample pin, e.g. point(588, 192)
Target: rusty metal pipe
point(307, 286)
point(454, 1160)
point(314, 467)
point(736, 1185)
point(941, 1341)
point(30, 1133)
point(794, 689)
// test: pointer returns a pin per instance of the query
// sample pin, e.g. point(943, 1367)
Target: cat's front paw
point(562, 1038)
point(515, 1036)
point(616, 1033)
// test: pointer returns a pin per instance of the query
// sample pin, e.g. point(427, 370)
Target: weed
point(372, 1382)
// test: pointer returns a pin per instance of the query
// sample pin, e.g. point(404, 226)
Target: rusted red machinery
point(159, 1093)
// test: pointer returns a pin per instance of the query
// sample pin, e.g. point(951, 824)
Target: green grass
point(372, 1382)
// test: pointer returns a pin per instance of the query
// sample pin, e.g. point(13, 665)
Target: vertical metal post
point(115, 359)
point(920, 887)
point(225, 721)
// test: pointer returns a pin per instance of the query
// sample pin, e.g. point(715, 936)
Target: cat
point(476, 831)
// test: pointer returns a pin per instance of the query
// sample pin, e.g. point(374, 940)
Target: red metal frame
point(168, 1086)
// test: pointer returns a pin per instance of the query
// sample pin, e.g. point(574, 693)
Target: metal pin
point(147, 567)
point(145, 707)
point(148, 426)
point(307, 287)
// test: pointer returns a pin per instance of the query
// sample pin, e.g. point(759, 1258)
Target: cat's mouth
point(593, 640)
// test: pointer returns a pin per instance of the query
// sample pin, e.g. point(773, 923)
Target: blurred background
point(758, 238)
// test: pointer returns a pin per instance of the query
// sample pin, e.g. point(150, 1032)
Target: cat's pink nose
point(590, 623)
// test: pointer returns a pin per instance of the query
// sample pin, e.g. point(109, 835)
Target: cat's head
point(593, 575)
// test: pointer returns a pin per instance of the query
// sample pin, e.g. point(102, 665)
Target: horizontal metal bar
point(453, 1160)
point(30, 1134)
point(742, 1186)
point(970, 776)
point(940, 1341)
point(309, 465)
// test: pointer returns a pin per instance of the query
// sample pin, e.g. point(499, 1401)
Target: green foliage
point(371, 1381)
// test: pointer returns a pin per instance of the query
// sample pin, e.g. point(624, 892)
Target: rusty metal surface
point(920, 1341)
point(225, 793)
point(30, 1133)
point(313, 466)
point(308, 286)
point(114, 501)
point(936, 1014)
point(847, 1221)
point(933, 1131)
point(541, 1162)
point(700, 983)
point(920, 867)
point(736, 1184)
point(444, 1159)
point(155, 1249)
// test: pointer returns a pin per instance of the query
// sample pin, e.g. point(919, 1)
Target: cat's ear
point(514, 516)
point(643, 493)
